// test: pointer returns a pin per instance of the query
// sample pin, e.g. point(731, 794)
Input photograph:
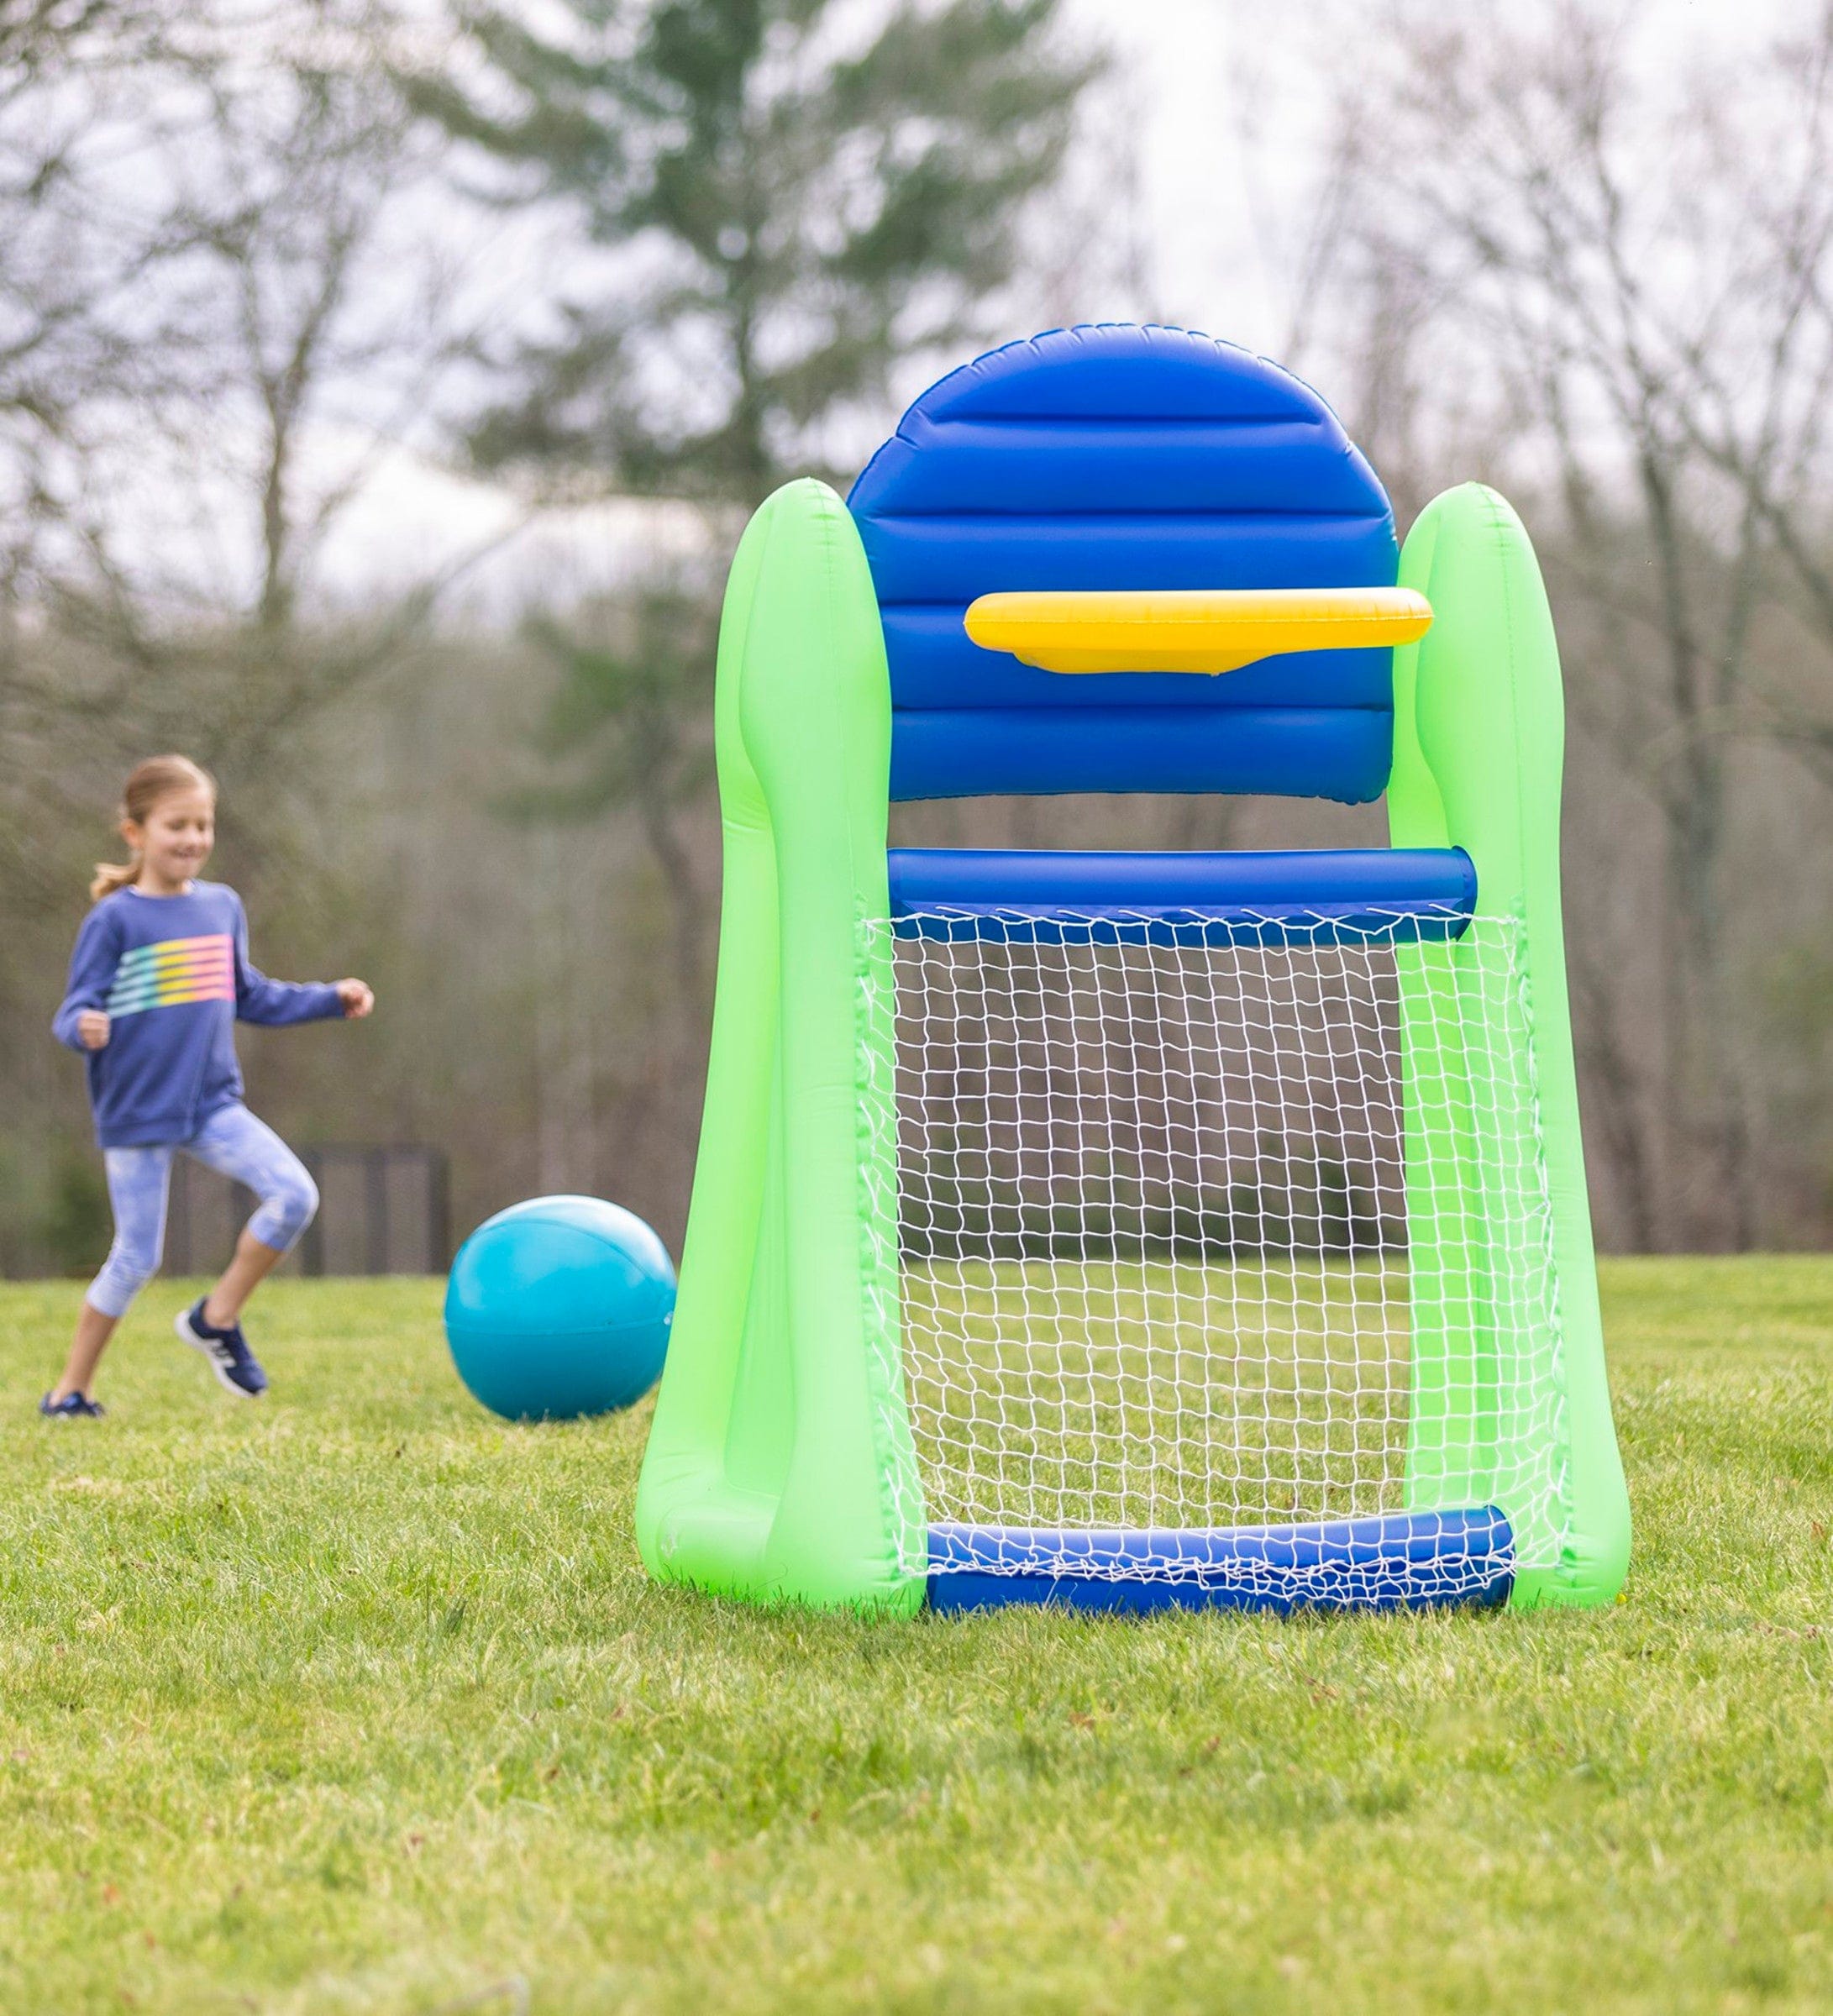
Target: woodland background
point(592, 277)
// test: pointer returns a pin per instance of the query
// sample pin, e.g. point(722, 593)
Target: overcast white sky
point(1194, 64)
point(1176, 60)
point(1186, 67)
point(1183, 59)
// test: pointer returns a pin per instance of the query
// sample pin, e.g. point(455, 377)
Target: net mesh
point(1160, 1263)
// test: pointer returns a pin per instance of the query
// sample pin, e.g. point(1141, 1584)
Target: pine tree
point(798, 192)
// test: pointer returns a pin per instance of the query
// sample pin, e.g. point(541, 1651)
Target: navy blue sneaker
point(73, 1407)
point(230, 1358)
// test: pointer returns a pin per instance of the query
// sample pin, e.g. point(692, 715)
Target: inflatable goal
point(1128, 1230)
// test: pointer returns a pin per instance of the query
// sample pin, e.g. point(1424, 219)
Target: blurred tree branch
point(629, 723)
point(789, 211)
point(1640, 253)
point(225, 315)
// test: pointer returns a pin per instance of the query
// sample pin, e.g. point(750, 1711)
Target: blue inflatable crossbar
point(1316, 896)
point(1388, 1561)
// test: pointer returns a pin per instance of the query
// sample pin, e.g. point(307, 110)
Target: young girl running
point(160, 977)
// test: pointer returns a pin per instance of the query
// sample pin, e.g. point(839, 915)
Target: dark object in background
point(383, 1210)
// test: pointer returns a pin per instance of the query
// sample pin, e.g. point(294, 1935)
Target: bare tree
point(280, 318)
point(1604, 279)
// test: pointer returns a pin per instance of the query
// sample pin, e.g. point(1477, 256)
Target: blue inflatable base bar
point(1389, 1561)
point(1314, 896)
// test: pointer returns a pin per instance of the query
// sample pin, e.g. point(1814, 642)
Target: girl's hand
point(357, 996)
point(91, 1029)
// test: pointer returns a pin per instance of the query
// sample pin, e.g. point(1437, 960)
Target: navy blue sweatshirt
point(172, 975)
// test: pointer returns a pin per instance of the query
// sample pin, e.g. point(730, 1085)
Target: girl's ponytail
point(111, 875)
point(147, 783)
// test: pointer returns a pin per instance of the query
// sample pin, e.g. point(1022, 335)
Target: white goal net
point(1161, 1266)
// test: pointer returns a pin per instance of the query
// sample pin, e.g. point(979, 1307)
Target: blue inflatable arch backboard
point(1115, 456)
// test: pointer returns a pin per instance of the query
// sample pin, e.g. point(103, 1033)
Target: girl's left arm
point(276, 1003)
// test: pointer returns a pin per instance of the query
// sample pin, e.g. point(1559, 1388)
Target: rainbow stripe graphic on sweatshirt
point(174, 972)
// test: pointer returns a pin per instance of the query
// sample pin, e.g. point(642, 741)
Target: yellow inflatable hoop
point(1191, 630)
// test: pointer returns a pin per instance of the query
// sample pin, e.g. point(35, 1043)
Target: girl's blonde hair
point(147, 783)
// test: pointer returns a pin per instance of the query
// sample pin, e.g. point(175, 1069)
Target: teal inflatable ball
point(559, 1307)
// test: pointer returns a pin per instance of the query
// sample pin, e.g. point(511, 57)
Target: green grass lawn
point(359, 1701)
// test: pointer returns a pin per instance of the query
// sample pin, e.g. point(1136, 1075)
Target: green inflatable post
point(780, 1464)
point(1479, 740)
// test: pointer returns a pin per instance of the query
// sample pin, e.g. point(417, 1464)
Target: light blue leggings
point(235, 1144)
